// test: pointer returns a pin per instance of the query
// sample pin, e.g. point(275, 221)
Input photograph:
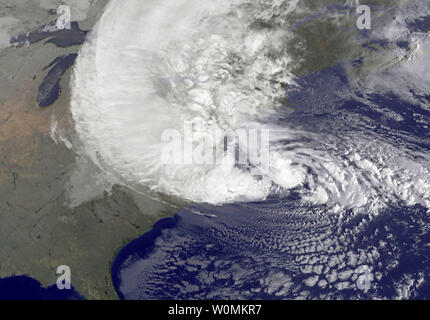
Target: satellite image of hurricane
point(215, 150)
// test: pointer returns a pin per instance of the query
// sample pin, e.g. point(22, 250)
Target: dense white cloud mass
point(150, 66)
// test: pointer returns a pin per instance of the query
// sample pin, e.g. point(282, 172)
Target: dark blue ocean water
point(227, 253)
point(27, 288)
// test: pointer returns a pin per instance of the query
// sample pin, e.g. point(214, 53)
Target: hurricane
point(347, 111)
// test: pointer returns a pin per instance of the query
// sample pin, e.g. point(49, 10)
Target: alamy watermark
point(64, 17)
point(364, 281)
point(64, 280)
point(364, 21)
point(242, 147)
